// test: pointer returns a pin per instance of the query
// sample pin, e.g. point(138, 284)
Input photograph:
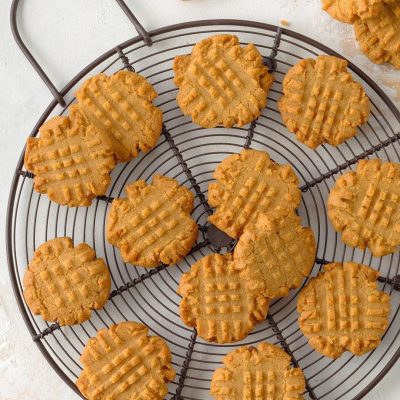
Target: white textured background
point(65, 35)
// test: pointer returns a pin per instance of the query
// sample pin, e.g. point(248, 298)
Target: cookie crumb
point(285, 22)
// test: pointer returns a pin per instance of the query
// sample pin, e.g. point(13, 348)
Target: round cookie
point(379, 37)
point(64, 283)
point(124, 363)
point(342, 309)
point(249, 184)
point(364, 206)
point(222, 83)
point(153, 225)
point(264, 371)
point(120, 107)
point(216, 301)
point(275, 254)
point(349, 10)
point(322, 103)
point(70, 162)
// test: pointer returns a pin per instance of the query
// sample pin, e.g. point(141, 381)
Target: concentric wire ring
point(152, 298)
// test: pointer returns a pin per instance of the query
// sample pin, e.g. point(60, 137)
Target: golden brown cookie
point(249, 184)
point(349, 10)
point(216, 301)
point(70, 162)
point(120, 107)
point(124, 363)
point(153, 225)
point(322, 103)
point(342, 309)
point(262, 373)
point(364, 206)
point(379, 37)
point(64, 283)
point(222, 83)
point(275, 254)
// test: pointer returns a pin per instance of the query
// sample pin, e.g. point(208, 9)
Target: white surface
point(65, 36)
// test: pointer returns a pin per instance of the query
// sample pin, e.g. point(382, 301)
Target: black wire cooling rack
point(190, 154)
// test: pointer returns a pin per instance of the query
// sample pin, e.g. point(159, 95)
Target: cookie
point(275, 254)
point(216, 301)
point(124, 363)
point(379, 37)
point(249, 184)
point(342, 309)
point(120, 108)
point(64, 283)
point(263, 373)
point(349, 10)
point(70, 163)
point(222, 83)
point(321, 103)
point(364, 206)
point(153, 225)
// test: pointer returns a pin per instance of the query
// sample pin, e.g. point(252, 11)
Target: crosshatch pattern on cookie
point(379, 37)
point(222, 82)
point(249, 184)
point(262, 372)
point(64, 283)
point(364, 205)
point(342, 309)
point(153, 225)
point(122, 362)
point(275, 254)
point(70, 163)
point(322, 103)
point(216, 301)
point(120, 107)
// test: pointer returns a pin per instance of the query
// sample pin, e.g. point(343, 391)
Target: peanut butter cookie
point(222, 83)
point(275, 254)
point(216, 301)
point(364, 206)
point(64, 283)
point(120, 108)
point(379, 36)
point(250, 184)
point(349, 10)
point(263, 373)
point(153, 225)
point(342, 309)
point(322, 103)
point(70, 162)
point(124, 363)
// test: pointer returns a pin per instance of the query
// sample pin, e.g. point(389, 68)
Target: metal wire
point(190, 155)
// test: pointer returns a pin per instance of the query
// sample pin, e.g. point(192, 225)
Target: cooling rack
point(190, 154)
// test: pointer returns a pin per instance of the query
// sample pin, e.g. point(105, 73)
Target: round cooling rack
point(190, 154)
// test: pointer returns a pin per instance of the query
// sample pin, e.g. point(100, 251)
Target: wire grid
point(190, 154)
